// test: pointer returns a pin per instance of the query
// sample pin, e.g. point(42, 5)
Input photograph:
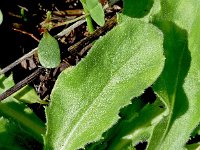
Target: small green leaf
point(86, 100)
point(49, 51)
point(96, 11)
point(1, 17)
point(23, 115)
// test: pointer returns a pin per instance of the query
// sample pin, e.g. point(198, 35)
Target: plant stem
point(88, 19)
point(71, 21)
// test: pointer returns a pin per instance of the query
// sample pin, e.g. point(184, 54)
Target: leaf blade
point(19, 113)
point(107, 71)
point(14, 137)
point(96, 11)
point(137, 9)
point(49, 51)
point(1, 17)
point(182, 118)
point(139, 128)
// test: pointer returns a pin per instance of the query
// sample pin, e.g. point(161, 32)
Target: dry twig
point(21, 84)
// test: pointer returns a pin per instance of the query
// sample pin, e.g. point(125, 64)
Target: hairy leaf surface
point(178, 85)
point(49, 51)
point(136, 125)
point(86, 99)
point(130, 112)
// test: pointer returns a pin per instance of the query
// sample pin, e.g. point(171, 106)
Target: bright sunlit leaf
point(86, 99)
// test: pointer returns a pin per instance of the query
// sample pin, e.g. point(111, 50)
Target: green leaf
point(137, 8)
point(194, 146)
point(138, 127)
point(86, 99)
point(1, 17)
point(145, 10)
point(14, 137)
point(19, 113)
point(122, 18)
point(96, 11)
point(28, 95)
point(178, 86)
point(126, 114)
point(196, 131)
point(135, 126)
point(6, 82)
point(49, 51)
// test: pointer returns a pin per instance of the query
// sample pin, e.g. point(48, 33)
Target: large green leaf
point(135, 126)
point(137, 8)
point(127, 114)
point(178, 86)
point(86, 99)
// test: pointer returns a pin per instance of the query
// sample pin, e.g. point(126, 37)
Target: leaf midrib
point(174, 95)
point(89, 106)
